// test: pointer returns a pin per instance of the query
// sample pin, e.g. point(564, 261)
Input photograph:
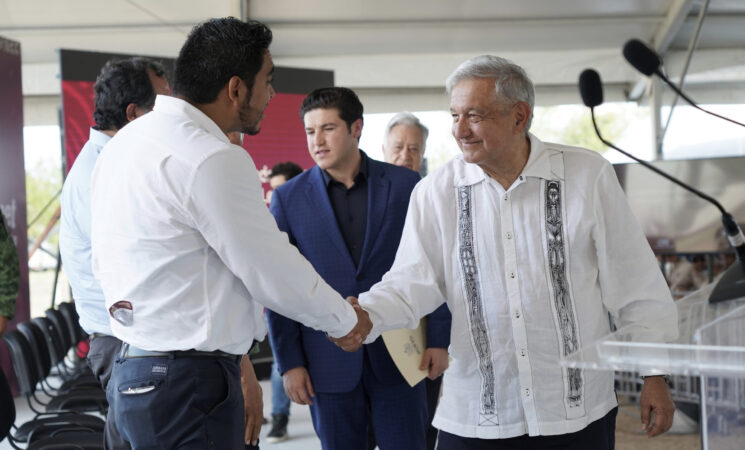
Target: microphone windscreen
point(590, 88)
point(641, 57)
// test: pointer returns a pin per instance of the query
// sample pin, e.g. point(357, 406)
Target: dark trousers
point(599, 435)
point(433, 396)
point(397, 412)
point(181, 402)
point(101, 357)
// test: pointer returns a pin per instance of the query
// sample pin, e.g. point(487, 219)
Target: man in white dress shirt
point(531, 245)
point(188, 255)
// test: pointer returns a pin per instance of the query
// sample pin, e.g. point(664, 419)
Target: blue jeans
point(280, 400)
point(185, 403)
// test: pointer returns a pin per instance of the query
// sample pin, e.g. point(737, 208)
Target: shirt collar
point(362, 173)
point(542, 163)
point(99, 138)
point(539, 163)
point(175, 106)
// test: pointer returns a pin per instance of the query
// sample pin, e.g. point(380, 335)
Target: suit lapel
point(377, 201)
point(319, 199)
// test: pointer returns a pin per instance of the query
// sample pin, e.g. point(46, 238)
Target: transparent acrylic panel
point(711, 342)
point(709, 356)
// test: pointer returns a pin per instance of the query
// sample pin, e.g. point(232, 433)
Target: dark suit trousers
point(185, 403)
point(398, 413)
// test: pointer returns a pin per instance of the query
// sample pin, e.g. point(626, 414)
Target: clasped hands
point(354, 339)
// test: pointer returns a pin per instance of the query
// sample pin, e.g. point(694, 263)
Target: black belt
point(129, 351)
point(96, 335)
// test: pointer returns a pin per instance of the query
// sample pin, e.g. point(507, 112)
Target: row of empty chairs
point(65, 397)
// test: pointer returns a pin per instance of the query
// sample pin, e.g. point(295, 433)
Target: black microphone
point(648, 62)
point(732, 283)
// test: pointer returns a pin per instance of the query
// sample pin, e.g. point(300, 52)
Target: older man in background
point(404, 144)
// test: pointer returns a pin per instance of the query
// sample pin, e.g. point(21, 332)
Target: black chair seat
point(69, 440)
point(43, 427)
point(79, 400)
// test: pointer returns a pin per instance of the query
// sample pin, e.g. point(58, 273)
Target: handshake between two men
point(354, 339)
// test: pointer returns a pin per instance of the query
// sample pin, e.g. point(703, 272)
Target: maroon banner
point(282, 136)
point(12, 177)
point(77, 113)
point(79, 70)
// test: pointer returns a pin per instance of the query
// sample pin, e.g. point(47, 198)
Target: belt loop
point(123, 351)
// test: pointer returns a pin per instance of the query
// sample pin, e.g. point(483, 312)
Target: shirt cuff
point(347, 322)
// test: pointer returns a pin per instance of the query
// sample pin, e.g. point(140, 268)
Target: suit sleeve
point(438, 327)
point(284, 333)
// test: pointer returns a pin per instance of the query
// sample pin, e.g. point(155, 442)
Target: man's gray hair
point(409, 119)
point(511, 82)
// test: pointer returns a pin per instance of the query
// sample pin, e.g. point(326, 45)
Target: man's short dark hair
point(288, 169)
point(120, 83)
point(217, 50)
point(340, 98)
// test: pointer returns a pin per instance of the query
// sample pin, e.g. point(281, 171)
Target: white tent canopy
point(397, 54)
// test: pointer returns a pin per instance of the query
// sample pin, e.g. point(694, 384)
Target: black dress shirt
point(350, 209)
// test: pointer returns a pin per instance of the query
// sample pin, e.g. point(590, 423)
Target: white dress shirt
point(530, 275)
point(75, 237)
point(180, 230)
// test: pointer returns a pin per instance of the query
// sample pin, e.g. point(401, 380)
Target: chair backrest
point(41, 358)
point(7, 413)
point(20, 354)
point(62, 330)
point(43, 345)
point(73, 321)
point(51, 335)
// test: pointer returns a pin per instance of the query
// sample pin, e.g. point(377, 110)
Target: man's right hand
point(298, 386)
point(354, 339)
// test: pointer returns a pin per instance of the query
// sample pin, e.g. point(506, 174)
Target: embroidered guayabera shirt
point(529, 274)
point(184, 246)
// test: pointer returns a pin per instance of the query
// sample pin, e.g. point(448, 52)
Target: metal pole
point(656, 105)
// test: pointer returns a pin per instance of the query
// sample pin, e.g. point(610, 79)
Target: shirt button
point(527, 392)
point(523, 352)
point(506, 197)
point(517, 314)
point(509, 235)
point(512, 274)
point(521, 178)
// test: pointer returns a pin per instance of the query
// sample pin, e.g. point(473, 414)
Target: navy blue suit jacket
point(303, 210)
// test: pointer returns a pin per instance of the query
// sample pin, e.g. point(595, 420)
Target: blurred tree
point(43, 184)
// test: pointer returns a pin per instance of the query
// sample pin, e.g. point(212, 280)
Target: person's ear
point(356, 128)
point(132, 112)
point(521, 114)
point(234, 89)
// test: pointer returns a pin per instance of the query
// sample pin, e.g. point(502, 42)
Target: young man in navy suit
point(345, 215)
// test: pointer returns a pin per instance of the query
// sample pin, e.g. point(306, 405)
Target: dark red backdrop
point(282, 137)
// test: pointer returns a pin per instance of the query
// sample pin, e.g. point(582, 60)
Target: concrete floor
point(302, 436)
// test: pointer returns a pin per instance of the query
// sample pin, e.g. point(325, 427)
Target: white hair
point(511, 82)
point(408, 119)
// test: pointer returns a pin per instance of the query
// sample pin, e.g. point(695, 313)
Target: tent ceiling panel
point(388, 43)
